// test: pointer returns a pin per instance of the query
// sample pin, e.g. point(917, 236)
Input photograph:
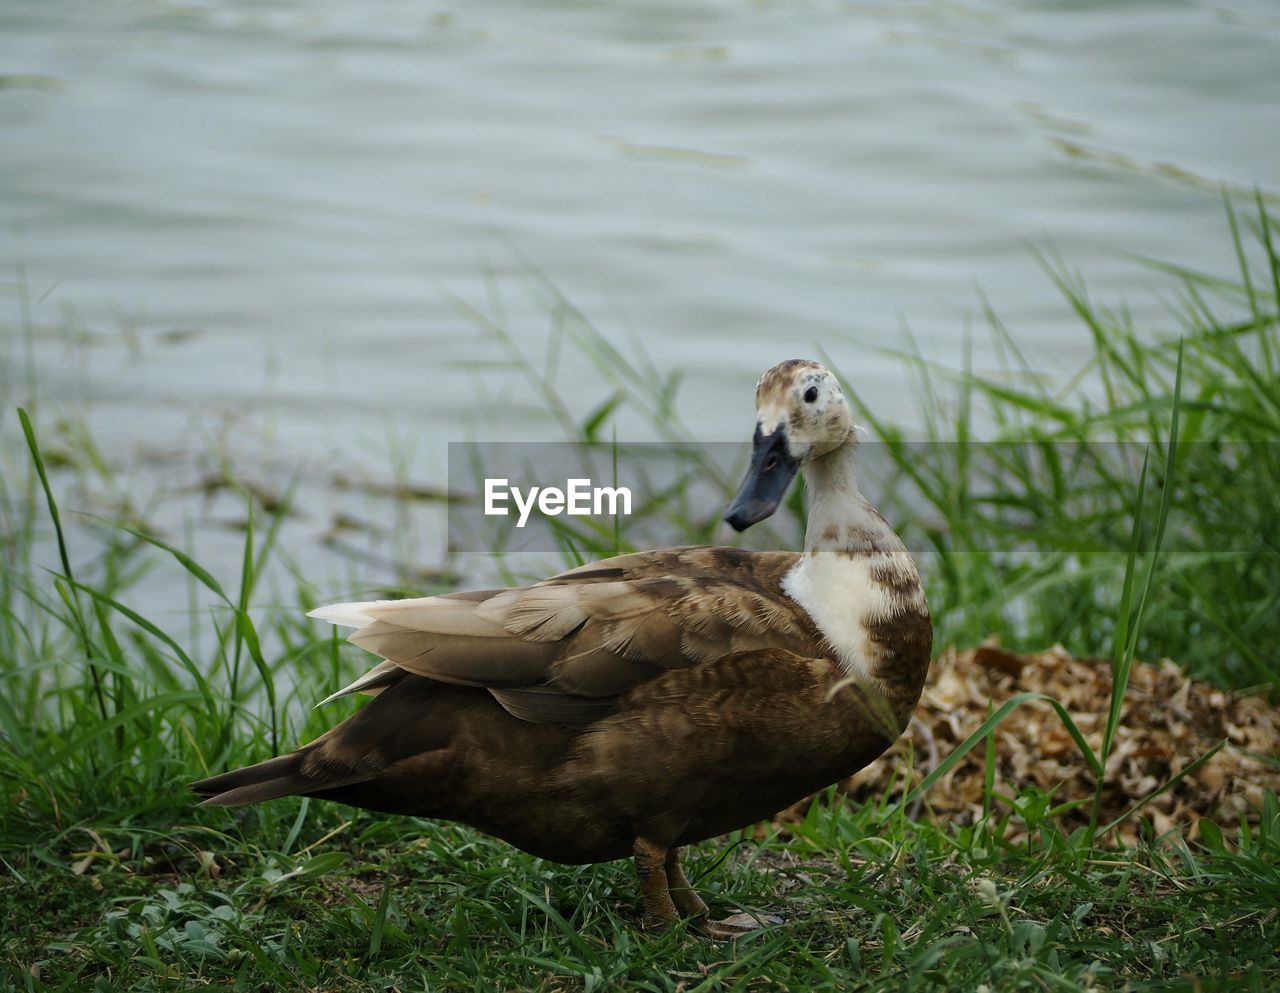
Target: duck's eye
point(811, 394)
point(771, 463)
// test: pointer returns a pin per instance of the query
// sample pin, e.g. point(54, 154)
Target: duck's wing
point(564, 650)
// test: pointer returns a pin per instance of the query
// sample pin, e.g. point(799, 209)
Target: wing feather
point(545, 705)
point(546, 613)
point(563, 650)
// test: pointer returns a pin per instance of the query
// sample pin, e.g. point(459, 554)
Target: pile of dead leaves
point(1169, 720)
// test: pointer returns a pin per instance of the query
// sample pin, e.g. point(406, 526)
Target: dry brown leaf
point(1168, 721)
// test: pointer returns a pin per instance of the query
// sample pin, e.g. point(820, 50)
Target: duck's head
point(801, 415)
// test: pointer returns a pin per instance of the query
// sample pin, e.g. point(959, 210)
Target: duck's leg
point(682, 892)
point(668, 895)
point(651, 867)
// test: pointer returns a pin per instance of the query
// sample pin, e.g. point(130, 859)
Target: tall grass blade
point(380, 918)
point(1131, 624)
point(72, 602)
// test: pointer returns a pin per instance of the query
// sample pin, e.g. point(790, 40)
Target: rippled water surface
point(256, 227)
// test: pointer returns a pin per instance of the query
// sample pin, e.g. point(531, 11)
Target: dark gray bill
point(772, 469)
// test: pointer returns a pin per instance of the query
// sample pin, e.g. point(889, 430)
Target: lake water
point(247, 233)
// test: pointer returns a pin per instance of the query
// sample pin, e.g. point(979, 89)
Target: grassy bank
point(112, 880)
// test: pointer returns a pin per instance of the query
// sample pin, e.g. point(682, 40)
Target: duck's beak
point(772, 469)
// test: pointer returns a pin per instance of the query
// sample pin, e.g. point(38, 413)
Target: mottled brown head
point(801, 415)
point(805, 399)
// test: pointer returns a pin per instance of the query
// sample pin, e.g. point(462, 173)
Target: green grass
point(869, 905)
point(110, 878)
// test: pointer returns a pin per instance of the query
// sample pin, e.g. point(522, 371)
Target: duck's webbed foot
point(683, 894)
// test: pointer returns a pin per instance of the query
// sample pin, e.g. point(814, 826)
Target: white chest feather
point(845, 593)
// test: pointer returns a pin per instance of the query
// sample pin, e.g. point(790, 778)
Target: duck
point(639, 704)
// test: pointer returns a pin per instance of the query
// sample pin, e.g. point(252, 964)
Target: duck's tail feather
point(397, 724)
point(277, 777)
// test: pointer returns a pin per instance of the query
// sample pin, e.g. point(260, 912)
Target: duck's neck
point(840, 517)
point(858, 584)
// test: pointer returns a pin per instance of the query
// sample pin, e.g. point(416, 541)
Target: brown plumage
point(634, 705)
